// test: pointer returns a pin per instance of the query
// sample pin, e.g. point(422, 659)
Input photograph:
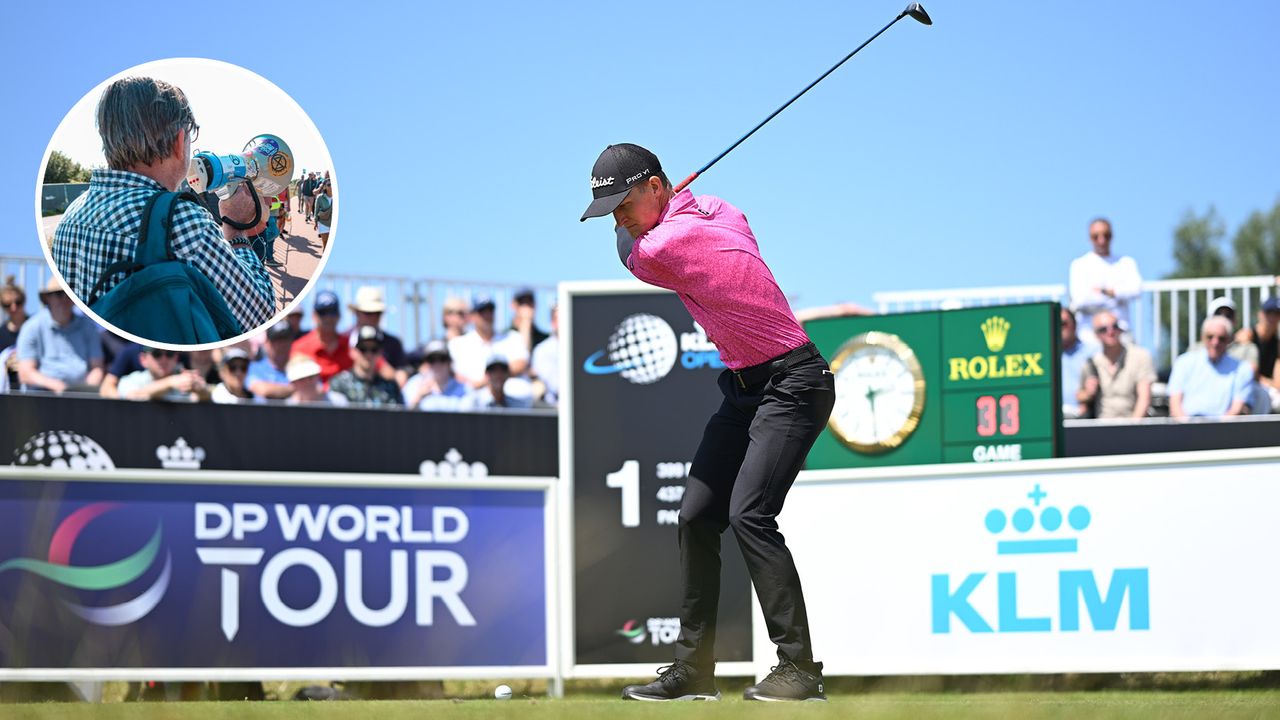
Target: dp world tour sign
point(639, 387)
point(218, 575)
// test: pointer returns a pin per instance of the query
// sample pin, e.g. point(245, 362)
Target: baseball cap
point(234, 353)
point(495, 361)
point(524, 293)
point(1272, 304)
point(618, 169)
point(279, 331)
point(435, 348)
point(367, 333)
point(327, 303)
point(369, 299)
point(52, 286)
point(1219, 303)
point(481, 302)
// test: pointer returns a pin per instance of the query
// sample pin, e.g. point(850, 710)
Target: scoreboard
point(970, 385)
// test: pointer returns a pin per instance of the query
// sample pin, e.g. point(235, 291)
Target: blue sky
point(969, 153)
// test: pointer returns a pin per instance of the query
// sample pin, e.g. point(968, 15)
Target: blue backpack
point(163, 299)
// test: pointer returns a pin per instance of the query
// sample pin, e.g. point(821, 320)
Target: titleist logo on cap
point(600, 182)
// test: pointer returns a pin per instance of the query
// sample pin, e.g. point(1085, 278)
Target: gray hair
point(1217, 320)
point(139, 118)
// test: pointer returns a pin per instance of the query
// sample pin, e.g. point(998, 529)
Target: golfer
point(778, 392)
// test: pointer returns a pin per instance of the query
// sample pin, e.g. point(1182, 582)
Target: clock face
point(879, 393)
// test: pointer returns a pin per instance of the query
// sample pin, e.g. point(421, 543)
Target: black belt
point(756, 374)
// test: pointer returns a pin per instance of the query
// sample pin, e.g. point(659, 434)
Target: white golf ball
point(502, 692)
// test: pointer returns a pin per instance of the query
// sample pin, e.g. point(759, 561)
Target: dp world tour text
point(438, 574)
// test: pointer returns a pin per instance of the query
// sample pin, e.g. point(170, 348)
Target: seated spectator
point(233, 369)
point(493, 396)
point(325, 344)
point(203, 364)
point(163, 379)
point(1117, 380)
point(544, 364)
point(304, 377)
point(454, 318)
point(268, 378)
point(472, 350)
point(1075, 352)
point(435, 388)
point(1266, 340)
point(59, 350)
point(1206, 381)
point(1245, 352)
point(362, 385)
point(128, 360)
point(368, 308)
point(14, 302)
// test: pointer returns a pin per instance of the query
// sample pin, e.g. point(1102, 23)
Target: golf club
point(915, 10)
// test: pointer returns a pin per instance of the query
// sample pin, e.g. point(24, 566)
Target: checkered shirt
point(101, 227)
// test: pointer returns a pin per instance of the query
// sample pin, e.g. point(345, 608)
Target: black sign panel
point(92, 433)
point(642, 386)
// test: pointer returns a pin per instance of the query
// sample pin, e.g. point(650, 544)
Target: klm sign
point(1082, 600)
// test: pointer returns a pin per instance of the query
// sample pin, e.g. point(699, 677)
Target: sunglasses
point(238, 367)
point(438, 359)
point(369, 349)
point(163, 354)
point(11, 303)
point(1219, 338)
point(1108, 329)
point(1099, 236)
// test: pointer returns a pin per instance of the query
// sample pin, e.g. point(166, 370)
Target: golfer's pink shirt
point(703, 249)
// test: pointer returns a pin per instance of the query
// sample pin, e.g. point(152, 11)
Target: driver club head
point(916, 11)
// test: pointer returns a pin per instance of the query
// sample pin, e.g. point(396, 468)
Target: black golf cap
point(618, 169)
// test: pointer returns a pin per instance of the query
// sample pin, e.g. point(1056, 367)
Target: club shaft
point(685, 183)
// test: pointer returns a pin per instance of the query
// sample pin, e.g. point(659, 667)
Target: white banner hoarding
point(1140, 563)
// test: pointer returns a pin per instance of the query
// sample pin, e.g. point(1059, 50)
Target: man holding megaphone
point(147, 130)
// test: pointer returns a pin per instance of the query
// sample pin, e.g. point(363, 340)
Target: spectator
point(308, 190)
point(455, 318)
point(59, 350)
point(201, 362)
point(323, 203)
point(545, 362)
point(523, 310)
point(361, 385)
point(268, 377)
point(294, 318)
point(1207, 381)
point(368, 308)
point(147, 130)
point(325, 344)
point(233, 369)
point(471, 351)
point(1075, 352)
point(435, 388)
point(14, 302)
point(128, 360)
point(304, 377)
point(1246, 352)
point(1117, 381)
point(162, 379)
point(1102, 281)
point(493, 395)
point(1266, 340)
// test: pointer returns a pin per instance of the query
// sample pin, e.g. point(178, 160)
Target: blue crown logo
point(1023, 521)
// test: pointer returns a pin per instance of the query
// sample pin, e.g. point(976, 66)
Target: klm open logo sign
point(1040, 533)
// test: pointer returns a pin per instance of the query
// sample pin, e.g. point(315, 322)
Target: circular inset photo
point(185, 204)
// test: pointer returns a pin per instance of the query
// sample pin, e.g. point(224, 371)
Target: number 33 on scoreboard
point(999, 416)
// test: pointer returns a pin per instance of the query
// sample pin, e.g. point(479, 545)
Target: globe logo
point(642, 349)
point(62, 450)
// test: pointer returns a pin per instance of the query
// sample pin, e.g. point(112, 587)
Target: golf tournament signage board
point(129, 574)
point(971, 385)
point(639, 381)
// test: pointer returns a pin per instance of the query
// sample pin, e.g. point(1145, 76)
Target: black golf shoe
point(677, 681)
point(788, 682)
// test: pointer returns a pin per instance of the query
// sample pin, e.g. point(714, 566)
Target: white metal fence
point(1166, 317)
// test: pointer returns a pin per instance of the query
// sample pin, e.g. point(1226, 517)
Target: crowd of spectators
point(476, 367)
point(1106, 375)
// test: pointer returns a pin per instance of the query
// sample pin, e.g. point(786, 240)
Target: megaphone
point(266, 162)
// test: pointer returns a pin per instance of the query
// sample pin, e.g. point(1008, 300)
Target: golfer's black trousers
point(751, 452)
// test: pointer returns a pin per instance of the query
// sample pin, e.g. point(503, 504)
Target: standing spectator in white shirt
point(471, 352)
point(1102, 281)
point(545, 362)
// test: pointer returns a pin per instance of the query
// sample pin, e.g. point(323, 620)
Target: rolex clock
point(879, 393)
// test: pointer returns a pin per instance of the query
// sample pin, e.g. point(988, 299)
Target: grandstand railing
point(414, 305)
point(1166, 317)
